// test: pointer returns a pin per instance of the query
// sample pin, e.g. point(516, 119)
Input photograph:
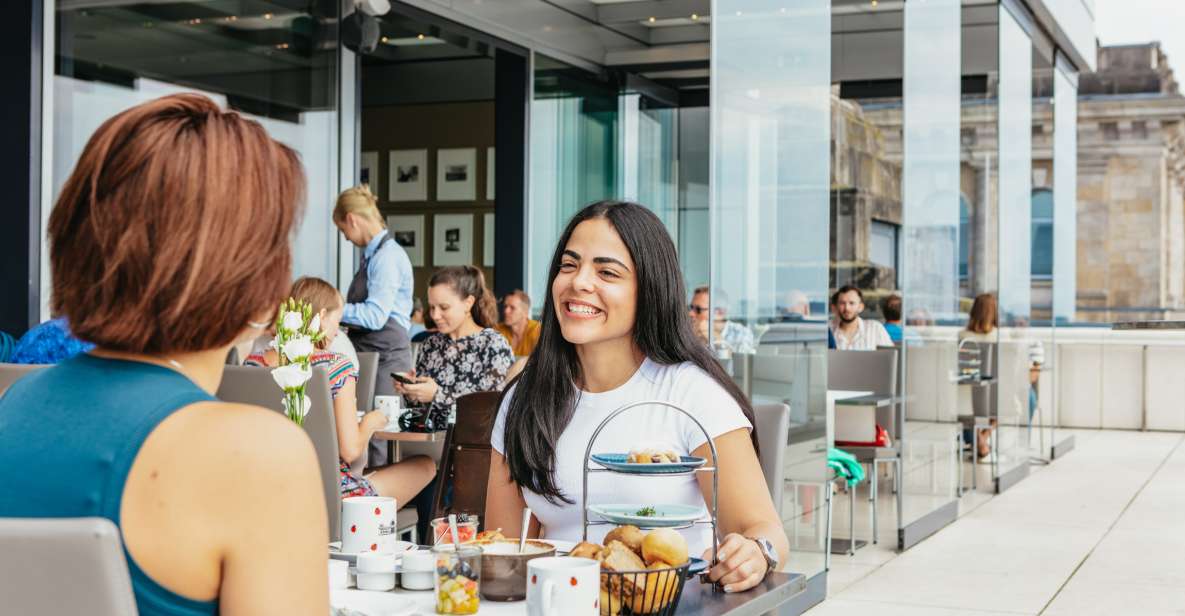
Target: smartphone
point(402, 379)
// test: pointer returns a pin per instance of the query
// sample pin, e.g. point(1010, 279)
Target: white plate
point(368, 603)
point(336, 546)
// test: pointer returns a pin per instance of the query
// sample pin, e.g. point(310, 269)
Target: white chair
point(64, 566)
point(773, 424)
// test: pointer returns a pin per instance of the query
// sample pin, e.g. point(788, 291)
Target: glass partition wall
point(115, 55)
point(1065, 231)
point(1015, 342)
point(930, 268)
point(770, 134)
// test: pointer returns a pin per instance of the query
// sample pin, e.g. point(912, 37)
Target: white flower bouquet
point(297, 332)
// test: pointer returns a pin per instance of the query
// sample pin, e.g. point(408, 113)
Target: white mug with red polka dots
point(563, 585)
point(368, 524)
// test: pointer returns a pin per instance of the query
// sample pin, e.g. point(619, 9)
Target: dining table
point(399, 436)
point(698, 598)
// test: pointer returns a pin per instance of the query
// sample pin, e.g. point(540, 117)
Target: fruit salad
point(458, 575)
point(466, 529)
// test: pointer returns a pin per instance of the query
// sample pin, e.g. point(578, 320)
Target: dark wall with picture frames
point(433, 127)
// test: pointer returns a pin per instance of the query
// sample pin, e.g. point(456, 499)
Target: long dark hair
point(468, 281)
point(545, 396)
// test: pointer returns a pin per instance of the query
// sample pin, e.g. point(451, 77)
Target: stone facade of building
point(1131, 185)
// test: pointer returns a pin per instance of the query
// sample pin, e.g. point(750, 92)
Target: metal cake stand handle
point(714, 468)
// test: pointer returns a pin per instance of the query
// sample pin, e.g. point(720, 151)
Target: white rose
point(315, 324)
point(292, 321)
point(291, 376)
point(308, 405)
point(298, 348)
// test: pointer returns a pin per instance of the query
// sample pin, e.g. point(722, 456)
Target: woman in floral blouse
point(465, 355)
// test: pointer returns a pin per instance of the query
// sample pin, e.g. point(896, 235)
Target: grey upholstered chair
point(773, 424)
point(9, 373)
point(368, 368)
point(64, 566)
point(254, 385)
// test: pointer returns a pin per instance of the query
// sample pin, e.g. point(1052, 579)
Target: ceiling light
point(652, 20)
point(420, 36)
point(386, 40)
point(267, 15)
point(282, 46)
point(694, 17)
point(874, 3)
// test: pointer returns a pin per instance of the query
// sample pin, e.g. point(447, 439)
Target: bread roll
point(610, 602)
point(586, 550)
point(655, 590)
point(630, 535)
point(618, 557)
point(664, 545)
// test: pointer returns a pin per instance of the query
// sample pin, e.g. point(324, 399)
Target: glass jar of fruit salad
point(458, 578)
point(466, 529)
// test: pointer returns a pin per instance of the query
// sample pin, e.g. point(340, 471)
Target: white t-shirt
point(870, 335)
point(685, 385)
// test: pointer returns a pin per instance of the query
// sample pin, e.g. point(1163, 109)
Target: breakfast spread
point(638, 569)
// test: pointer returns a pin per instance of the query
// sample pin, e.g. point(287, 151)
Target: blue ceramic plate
point(617, 462)
point(664, 515)
point(697, 565)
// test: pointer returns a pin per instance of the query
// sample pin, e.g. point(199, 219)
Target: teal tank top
point(68, 437)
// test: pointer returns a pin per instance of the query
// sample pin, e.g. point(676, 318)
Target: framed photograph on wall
point(452, 239)
point(368, 172)
point(487, 239)
point(456, 174)
point(408, 232)
point(407, 175)
point(490, 174)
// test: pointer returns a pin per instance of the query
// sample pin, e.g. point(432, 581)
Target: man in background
point(851, 332)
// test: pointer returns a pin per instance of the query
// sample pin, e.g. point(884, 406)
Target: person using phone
point(465, 355)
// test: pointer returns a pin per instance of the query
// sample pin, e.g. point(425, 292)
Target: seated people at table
point(48, 343)
point(981, 327)
point(402, 480)
point(797, 307)
point(851, 332)
point(170, 243)
point(614, 332)
point(517, 326)
point(417, 329)
point(734, 337)
point(891, 309)
point(465, 355)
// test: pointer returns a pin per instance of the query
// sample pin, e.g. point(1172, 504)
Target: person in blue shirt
point(891, 309)
point(48, 343)
point(379, 301)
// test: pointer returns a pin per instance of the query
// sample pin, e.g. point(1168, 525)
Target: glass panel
point(263, 58)
point(936, 217)
point(1065, 231)
point(770, 123)
point(1014, 350)
point(978, 273)
point(573, 154)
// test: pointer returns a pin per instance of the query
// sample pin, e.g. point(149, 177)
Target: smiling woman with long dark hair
point(615, 331)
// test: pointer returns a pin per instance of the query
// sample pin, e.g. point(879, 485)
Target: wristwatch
point(768, 551)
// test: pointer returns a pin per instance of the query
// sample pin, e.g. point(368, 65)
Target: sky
point(1140, 21)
